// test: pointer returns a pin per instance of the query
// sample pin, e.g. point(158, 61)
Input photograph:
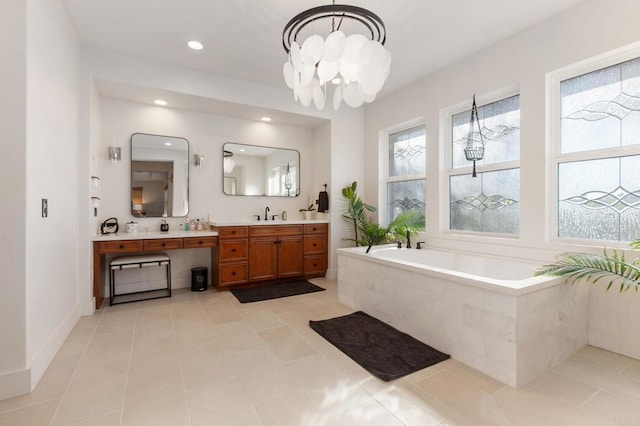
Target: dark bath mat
point(379, 348)
point(275, 291)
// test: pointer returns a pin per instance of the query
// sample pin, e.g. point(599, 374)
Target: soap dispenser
point(284, 215)
point(164, 226)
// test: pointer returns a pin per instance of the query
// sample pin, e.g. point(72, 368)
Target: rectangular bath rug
point(275, 291)
point(380, 349)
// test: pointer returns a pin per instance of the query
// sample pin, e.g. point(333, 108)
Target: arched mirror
point(159, 176)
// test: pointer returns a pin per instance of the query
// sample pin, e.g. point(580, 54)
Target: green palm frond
point(592, 268)
point(355, 212)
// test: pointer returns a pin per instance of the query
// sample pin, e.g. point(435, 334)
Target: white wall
point(589, 29)
point(14, 379)
point(52, 156)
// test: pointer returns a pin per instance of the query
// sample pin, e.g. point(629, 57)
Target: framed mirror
point(260, 170)
point(159, 176)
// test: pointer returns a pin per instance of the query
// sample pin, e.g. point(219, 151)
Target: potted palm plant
point(612, 267)
point(368, 232)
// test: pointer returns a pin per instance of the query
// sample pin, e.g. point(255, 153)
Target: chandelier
point(356, 65)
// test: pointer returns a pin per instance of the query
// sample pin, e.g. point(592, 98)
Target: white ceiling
point(243, 38)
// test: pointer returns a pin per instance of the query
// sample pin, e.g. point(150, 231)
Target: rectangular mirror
point(260, 170)
point(159, 176)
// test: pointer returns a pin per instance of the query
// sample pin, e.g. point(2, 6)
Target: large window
point(406, 168)
point(489, 202)
point(598, 155)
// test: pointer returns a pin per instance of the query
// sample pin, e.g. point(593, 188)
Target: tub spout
point(419, 246)
point(408, 239)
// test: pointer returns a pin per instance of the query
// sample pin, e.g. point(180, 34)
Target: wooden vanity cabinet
point(315, 250)
point(232, 267)
point(275, 252)
point(270, 253)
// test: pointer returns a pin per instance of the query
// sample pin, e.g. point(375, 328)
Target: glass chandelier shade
point(360, 63)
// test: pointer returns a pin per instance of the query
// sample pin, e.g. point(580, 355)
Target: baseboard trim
point(15, 383)
point(43, 358)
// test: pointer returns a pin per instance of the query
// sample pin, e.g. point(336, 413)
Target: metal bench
point(141, 261)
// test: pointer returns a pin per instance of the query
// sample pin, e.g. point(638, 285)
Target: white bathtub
point(488, 312)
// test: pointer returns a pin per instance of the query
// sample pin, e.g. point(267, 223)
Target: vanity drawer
point(196, 242)
point(314, 265)
point(163, 244)
point(275, 230)
point(120, 246)
point(314, 244)
point(316, 228)
point(234, 273)
point(231, 250)
point(233, 232)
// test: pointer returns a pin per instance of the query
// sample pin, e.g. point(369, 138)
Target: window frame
point(553, 155)
point(383, 165)
point(447, 169)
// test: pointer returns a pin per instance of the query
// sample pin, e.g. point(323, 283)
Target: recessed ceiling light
point(266, 119)
point(195, 45)
point(160, 102)
point(242, 150)
point(167, 143)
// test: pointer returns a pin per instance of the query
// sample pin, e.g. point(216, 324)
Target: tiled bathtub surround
point(511, 329)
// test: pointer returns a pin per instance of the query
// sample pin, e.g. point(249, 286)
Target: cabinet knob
point(315, 264)
point(233, 273)
point(200, 242)
point(121, 246)
point(233, 232)
point(315, 244)
point(164, 244)
point(314, 228)
point(233, 250)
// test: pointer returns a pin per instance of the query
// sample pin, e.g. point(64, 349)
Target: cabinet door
point(263, 255)
point(290, 256)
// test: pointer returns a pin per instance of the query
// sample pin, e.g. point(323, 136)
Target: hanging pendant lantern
point(474, 149)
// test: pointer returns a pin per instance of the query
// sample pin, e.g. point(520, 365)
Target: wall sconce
point(198, 160)
point(115, 153)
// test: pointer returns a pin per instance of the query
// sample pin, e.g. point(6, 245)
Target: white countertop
point(256, 222)
point(141, 235)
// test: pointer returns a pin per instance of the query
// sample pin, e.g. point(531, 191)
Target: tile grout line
point(75, 370)
point(184, 387)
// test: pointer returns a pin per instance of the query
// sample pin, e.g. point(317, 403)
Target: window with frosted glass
point(405, 195)
point(407, 152)
point(500, 124)
point(489, 202)
point(406, 159)
point(599, 192)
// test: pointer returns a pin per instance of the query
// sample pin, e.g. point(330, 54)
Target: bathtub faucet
point(418, 245)
point(408, 239)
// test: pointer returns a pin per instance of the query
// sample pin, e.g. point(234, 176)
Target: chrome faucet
point(266, 213)
point(408, 239)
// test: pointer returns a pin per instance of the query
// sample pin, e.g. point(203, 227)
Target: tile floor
point(205, 359)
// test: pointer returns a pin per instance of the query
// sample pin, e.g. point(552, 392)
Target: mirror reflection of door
point(159, 176)
point(155, 193)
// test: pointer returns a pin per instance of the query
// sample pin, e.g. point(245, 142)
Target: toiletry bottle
point(198, 225)
point(187, 224)
point(284, 215)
